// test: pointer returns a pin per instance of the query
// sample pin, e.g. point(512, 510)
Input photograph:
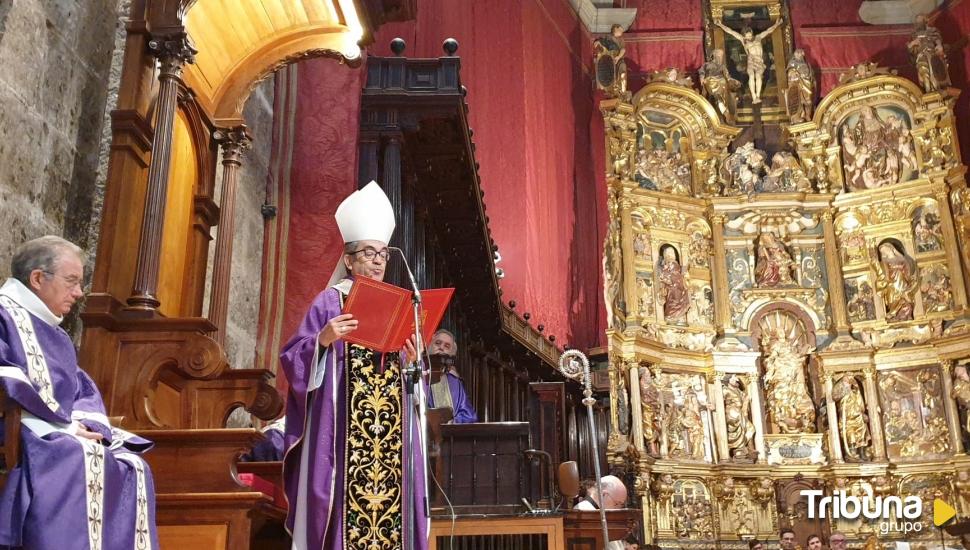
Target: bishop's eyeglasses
point(369, 253)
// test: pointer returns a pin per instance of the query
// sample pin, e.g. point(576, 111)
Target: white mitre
point(366, 215)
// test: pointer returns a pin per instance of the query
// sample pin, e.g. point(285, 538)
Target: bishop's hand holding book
point(378, 315)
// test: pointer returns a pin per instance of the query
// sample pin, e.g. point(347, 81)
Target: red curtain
point(526, 64)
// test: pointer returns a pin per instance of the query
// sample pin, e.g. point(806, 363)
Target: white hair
point(42, 253)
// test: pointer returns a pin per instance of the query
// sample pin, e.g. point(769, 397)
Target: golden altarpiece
point(787, 320)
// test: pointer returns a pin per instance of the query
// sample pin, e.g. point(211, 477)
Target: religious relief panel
point(686, 428)
point(935, 288)
point(913, 416)
point(663, 159)
point(877, 147)
point(692, 510)
point(927, 231)
point(860, 299)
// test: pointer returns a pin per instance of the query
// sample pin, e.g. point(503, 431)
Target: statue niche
point(853, 419)
point(774, 264)
point(674, 294)
point(737, 415)
point(877, 147)
point(896, 280)
point(784, 353)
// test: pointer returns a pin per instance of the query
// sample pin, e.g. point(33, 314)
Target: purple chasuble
point(463, 408)
point(66, 492)
point(329, 397)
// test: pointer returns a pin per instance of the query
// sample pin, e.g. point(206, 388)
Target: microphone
point(414, 283)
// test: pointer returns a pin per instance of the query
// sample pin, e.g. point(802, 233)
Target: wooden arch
point(239, 47)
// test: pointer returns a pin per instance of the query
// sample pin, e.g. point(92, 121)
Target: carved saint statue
point(896, 282)
point(800, 95)
point(853, 420)
point(737, 406)
point(742, 170)
point(650, 412)
point(609, 56)
point(961, 394)
point(692, 427)
point(719, 87)
point(785, 175)
point(613, 266)
point(926, 48)
point(789, 405)
point(755, 54)
point(673, 287)
point(774, 264)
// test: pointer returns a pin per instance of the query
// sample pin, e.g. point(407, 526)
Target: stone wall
point(247, 243)
point(55, 57)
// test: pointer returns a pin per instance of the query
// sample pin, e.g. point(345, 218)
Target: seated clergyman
point(449, 391)
point(78, 483)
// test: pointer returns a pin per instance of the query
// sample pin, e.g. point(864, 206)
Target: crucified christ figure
point(755, 52)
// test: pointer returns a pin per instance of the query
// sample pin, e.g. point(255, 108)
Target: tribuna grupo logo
point(894, 514)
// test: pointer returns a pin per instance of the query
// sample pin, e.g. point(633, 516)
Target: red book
point(385, 316)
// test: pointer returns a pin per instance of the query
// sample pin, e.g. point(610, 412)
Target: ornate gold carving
point(374, 461)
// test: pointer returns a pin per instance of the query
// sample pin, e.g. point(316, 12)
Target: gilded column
point(833, 270)
point(636, 410)
point(173, 53)
point(952, 250)
point(721, 306)
point(872, 407)
point(952, 414)
point(720, 421)
point(233, 142)
point(757, 416)
point(835, 443)
point(664, 447)
point(626, 252)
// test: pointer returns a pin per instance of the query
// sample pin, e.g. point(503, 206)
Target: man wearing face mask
point(448, 391)
point(345, 416)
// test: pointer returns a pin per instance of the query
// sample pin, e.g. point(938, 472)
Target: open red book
point(385, 317)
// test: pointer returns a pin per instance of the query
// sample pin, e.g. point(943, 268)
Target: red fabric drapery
point(539, 142)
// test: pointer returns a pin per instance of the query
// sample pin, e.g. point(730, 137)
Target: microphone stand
point(574, 365)
point(412, 375)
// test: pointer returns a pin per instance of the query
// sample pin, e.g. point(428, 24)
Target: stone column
point(722, 309)
point(233, 141)
point(757, 416)
point(833, 270)
point(872, 407)
point(952, 414)
point(173, 52)
point(952, 250)
point(720, 420)
point(835, 442)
